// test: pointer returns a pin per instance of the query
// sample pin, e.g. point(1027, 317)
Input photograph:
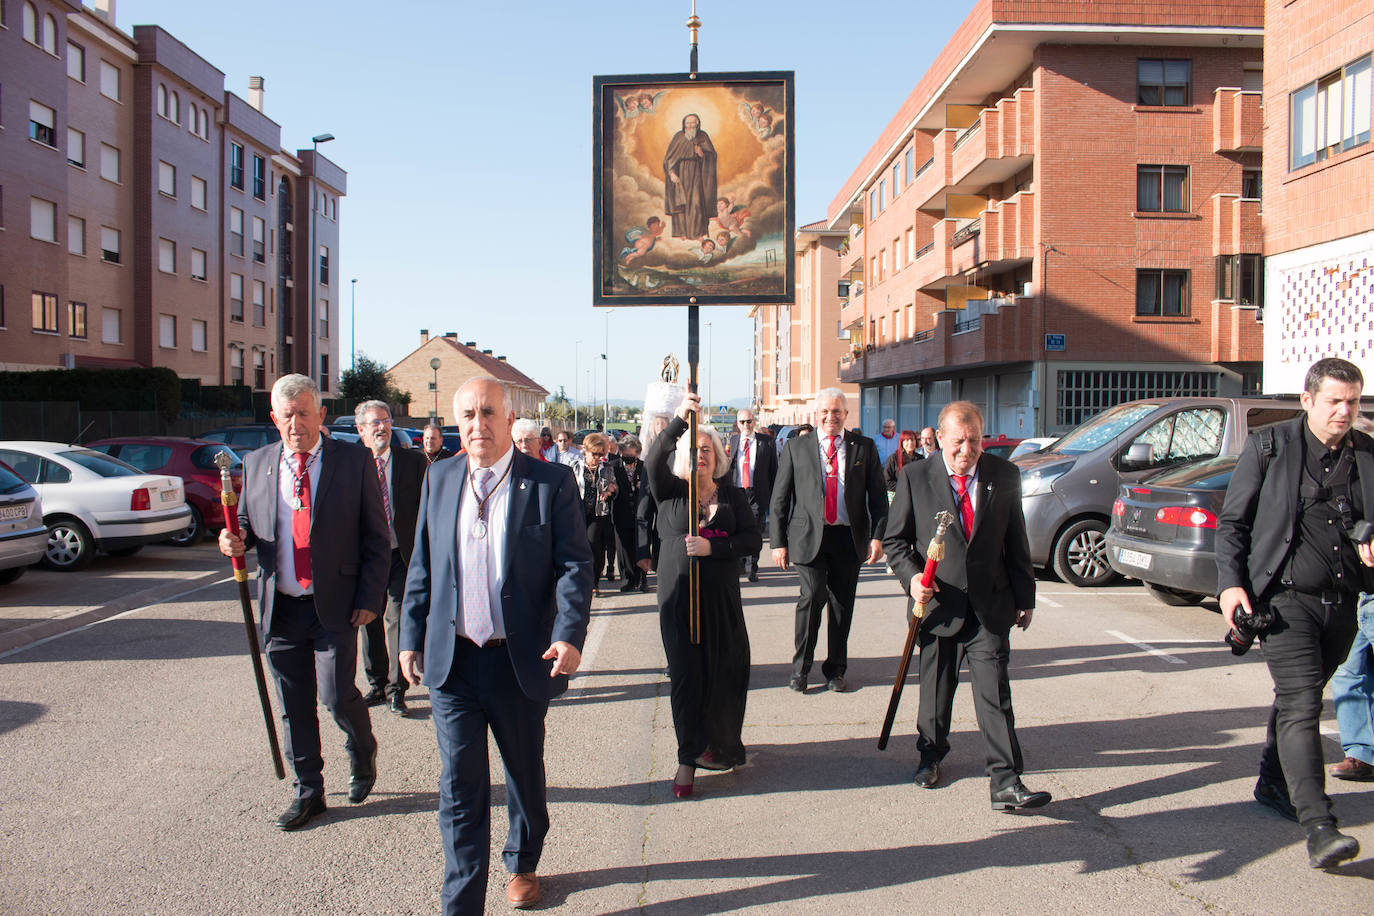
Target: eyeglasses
point(596, 454)
point(385, 421)
point(746, 422)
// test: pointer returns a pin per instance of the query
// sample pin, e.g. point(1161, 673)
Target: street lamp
point(435, 364)
point(577, 379)
point(353, 322)
point(605, 355)
point(710, 340)
point(314, 329)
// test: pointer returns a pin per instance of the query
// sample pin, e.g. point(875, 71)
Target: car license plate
point(1134, 558)
point(169, 496)
point(10, 512)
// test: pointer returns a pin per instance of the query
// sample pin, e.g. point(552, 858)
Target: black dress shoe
point(629, 586)
point(397, 704)
point(375, 697)
point(797, 683)
point(754, 573)
point(301, 812)
point(1274, 796)
point(1327, 846)
point(837, 684)
point(1016, 797)
point(927, 774)
point(644, 583)
point(364, 776)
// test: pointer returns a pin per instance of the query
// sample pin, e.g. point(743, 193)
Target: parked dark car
point(243, 439)
point(1164, 530)
point(193, 460)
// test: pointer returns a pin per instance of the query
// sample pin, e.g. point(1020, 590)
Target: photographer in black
point(1290, 572)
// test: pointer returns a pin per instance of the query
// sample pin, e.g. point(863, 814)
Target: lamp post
point(314, 329)
point(577, 379)
point(710, 341)
point(605, 356)
point(353, 322)
point(435, 364)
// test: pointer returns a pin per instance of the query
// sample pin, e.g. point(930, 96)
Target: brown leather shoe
point(523, 890)
point(1354, 769)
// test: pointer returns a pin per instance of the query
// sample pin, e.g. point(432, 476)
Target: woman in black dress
point(904, 455)
point(710, 680)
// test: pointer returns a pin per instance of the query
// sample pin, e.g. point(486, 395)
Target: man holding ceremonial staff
point(984, 585)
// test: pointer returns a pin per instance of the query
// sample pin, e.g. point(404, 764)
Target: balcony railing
point(966, 232)
point(922, 252)
point(968, 324)
point(927, 164)
point(919, 336)
point(968, 132)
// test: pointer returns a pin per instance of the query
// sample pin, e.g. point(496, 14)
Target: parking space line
point(1050, 601)
point(1146, 647)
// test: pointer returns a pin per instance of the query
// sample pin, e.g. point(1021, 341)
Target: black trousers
point(308, 663)
point(1309, 640)
point(381, 639)
point(601, 534)
point(829, 581)
point(987, 653)
point(760, 511)
point(625, 551)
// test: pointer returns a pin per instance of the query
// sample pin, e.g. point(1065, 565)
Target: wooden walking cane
point(935, 552)
point(229, 500)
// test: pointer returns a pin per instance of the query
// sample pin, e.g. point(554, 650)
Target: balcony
point(1237, 120)
point(997, 146)
point(1009, 229)
point(1236, 225)
point(999, 332)
point(852, 312)
point(853, 258)
point(956, 248)
point(932, 178)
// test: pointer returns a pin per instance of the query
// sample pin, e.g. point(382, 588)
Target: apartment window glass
point(76, 147)
point(42, 219)
point(76, 235)
point(235, 297)
point(197, 264)
point(198, 335)
point(167, 256)
point(109, 245)
point(259, 177)
point(167, 331)
point(236, 166)
point(873, 203)
point(910, 245)
point(174, 109)
point(76, 62)
point(167, 178)
point(1161, 292)
point(259, 304)
point(109, 80)
point(1162, 188)
point(109, 162)
point(324, 317)
point(162, 100)
point(236, 231)
point(76, 319)
point(49, 37)
point(324, 266)
point(42, 124)
point(198, 192)
point(259, 369)
point(882, 194)
point(910, 164)
point(1251, 183)
point(324, 371)
point(1240, 279)
point(109, 326)
point(896, 173)
point(882, 263)
point(1330, 115)
point(259, 235)
point(30, 23)
point(1164, 82)
point(45, 312)
point(236, 365)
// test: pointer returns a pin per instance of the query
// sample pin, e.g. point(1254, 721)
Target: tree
point(367, 380)
point(558, 407)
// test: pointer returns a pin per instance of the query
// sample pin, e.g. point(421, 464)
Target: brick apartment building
point(1319, 196)
point(432, 389)
point(1063, 215)
point(147, 216)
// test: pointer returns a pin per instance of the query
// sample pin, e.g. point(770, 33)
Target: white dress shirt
point(286, 490)
point(954, 486)
point(841, 451)
point(498, 508)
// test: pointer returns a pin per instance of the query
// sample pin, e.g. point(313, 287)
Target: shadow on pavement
point(17, 713)
point(141, 638)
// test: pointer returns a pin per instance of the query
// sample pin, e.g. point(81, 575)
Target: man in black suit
point(985, 584)
point(313, 509)
point(400, 472)
point(827, 513)
point(753, 465)
point(1287, 543)
point(433, 445)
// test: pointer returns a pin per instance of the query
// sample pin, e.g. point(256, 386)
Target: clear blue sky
point(465, 128)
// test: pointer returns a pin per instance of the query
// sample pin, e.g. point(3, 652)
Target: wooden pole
point(693, 358)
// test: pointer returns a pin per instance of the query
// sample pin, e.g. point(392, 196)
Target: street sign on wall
point(1056, 341)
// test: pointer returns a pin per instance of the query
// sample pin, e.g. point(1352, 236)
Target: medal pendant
point(479, 529)
point(296, 503)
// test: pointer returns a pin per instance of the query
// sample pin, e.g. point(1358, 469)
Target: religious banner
point(693, 189)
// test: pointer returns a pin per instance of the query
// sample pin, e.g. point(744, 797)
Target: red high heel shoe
point(681, 791)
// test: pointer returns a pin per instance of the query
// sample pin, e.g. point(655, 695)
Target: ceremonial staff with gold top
point(230, 500)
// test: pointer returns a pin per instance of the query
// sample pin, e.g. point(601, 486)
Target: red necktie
point(965, 503)
point(386, 496)
point(744, 467)
point(832, 485)
point(300, 525)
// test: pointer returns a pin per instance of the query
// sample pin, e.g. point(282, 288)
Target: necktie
point(386, 496)
point(300, 524)
point(965, 503)
point(832, 484)
point(744, 467)
point(476, 599)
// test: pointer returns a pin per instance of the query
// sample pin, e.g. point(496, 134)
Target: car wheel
point(70, 546)
point(9, 575)
point(125, 551)
point(1175, 597)
point(1080, 554)
point(194, 531)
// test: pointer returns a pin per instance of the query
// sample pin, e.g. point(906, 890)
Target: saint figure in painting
point(689, 178)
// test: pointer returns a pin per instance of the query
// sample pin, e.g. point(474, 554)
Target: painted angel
point(732, 218)
point(629, 106)
point(640, 240)
point(649, 103)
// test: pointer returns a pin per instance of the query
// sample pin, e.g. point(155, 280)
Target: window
point(910, 245)
point(1240, 279)
point(235, 365)
point(30, 24)
point(324, 371)
point(161, 100)
point(174, 109)
point(1187, 435)
point(109, 245)
point(167, 179)
point(236, 297)
point(259, 369)
point(236, 231)
point(1251, 183)
point(882, 194)
point(197, 264)
point(197, 335)
point(76, 235)
point(259, 304)
point(203, 125)
point(910, 164)
point(895, 175)
point(109, 326)
point(49, 36)
point(167, 256)
point(324, 317)
point(109, 80)
point(1164, 82)
point(1161, 292)
point(76, 148)
point(76, 62)
point(42, 219)
point(1084, 393)
point(1161, 188)
point(45, 312)
point(882, 264)
point(167, 331)
point(1330, 115)
point(236, 166)
point(76, 320)
point(42, 124)
point(259, 177)
point(259, 245)
point(198, 192)
point(873, 203)
point(324, 266)
point(109, 163)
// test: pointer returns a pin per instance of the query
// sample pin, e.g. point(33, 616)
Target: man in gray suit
point(313, 508)
point(827, 513)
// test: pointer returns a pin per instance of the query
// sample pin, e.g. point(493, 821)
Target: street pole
point(606, 356)
point(577, 379)
point(312, 333)
point(353, 323)
point(435, 364)
point(710, 349)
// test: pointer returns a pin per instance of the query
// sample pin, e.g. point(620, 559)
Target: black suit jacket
point(1255, 530)
point(796, 518)
point(763, 467)
point(990, 573)
point(408, 466)
point(350, 546)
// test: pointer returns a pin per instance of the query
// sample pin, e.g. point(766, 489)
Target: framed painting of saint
point(693, 189)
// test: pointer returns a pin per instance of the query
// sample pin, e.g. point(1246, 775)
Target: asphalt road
point(134, 776)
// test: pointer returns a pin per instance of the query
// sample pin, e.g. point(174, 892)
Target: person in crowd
point(625, 511)
point(907, 452)
point(547, 448)
point(753, 465)
point(929, 444)
point(494, 637)
point(597, 487)
point(805, 429)
point(646, 512)
point(1291, 561)
point(710, 677)
point(432, 444)
point(314, 504)
point(1352, 687)
point(887, 440)
point(984, 585)
point(613, 534)
point(525, 435)
point(565, 451)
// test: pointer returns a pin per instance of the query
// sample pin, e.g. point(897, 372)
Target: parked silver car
point(23, 536)
point(1067, 489)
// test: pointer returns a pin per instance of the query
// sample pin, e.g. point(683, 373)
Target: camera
point(1248, 625)
point(1360, 532)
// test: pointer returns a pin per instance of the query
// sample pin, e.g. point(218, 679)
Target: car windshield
point(1209, 474)
point(10, 482)
point(204, 457)
point(1101, 429)
point(100, 464)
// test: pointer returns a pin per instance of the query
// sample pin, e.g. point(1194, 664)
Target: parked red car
point(190, 459)
point(1001, 446)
